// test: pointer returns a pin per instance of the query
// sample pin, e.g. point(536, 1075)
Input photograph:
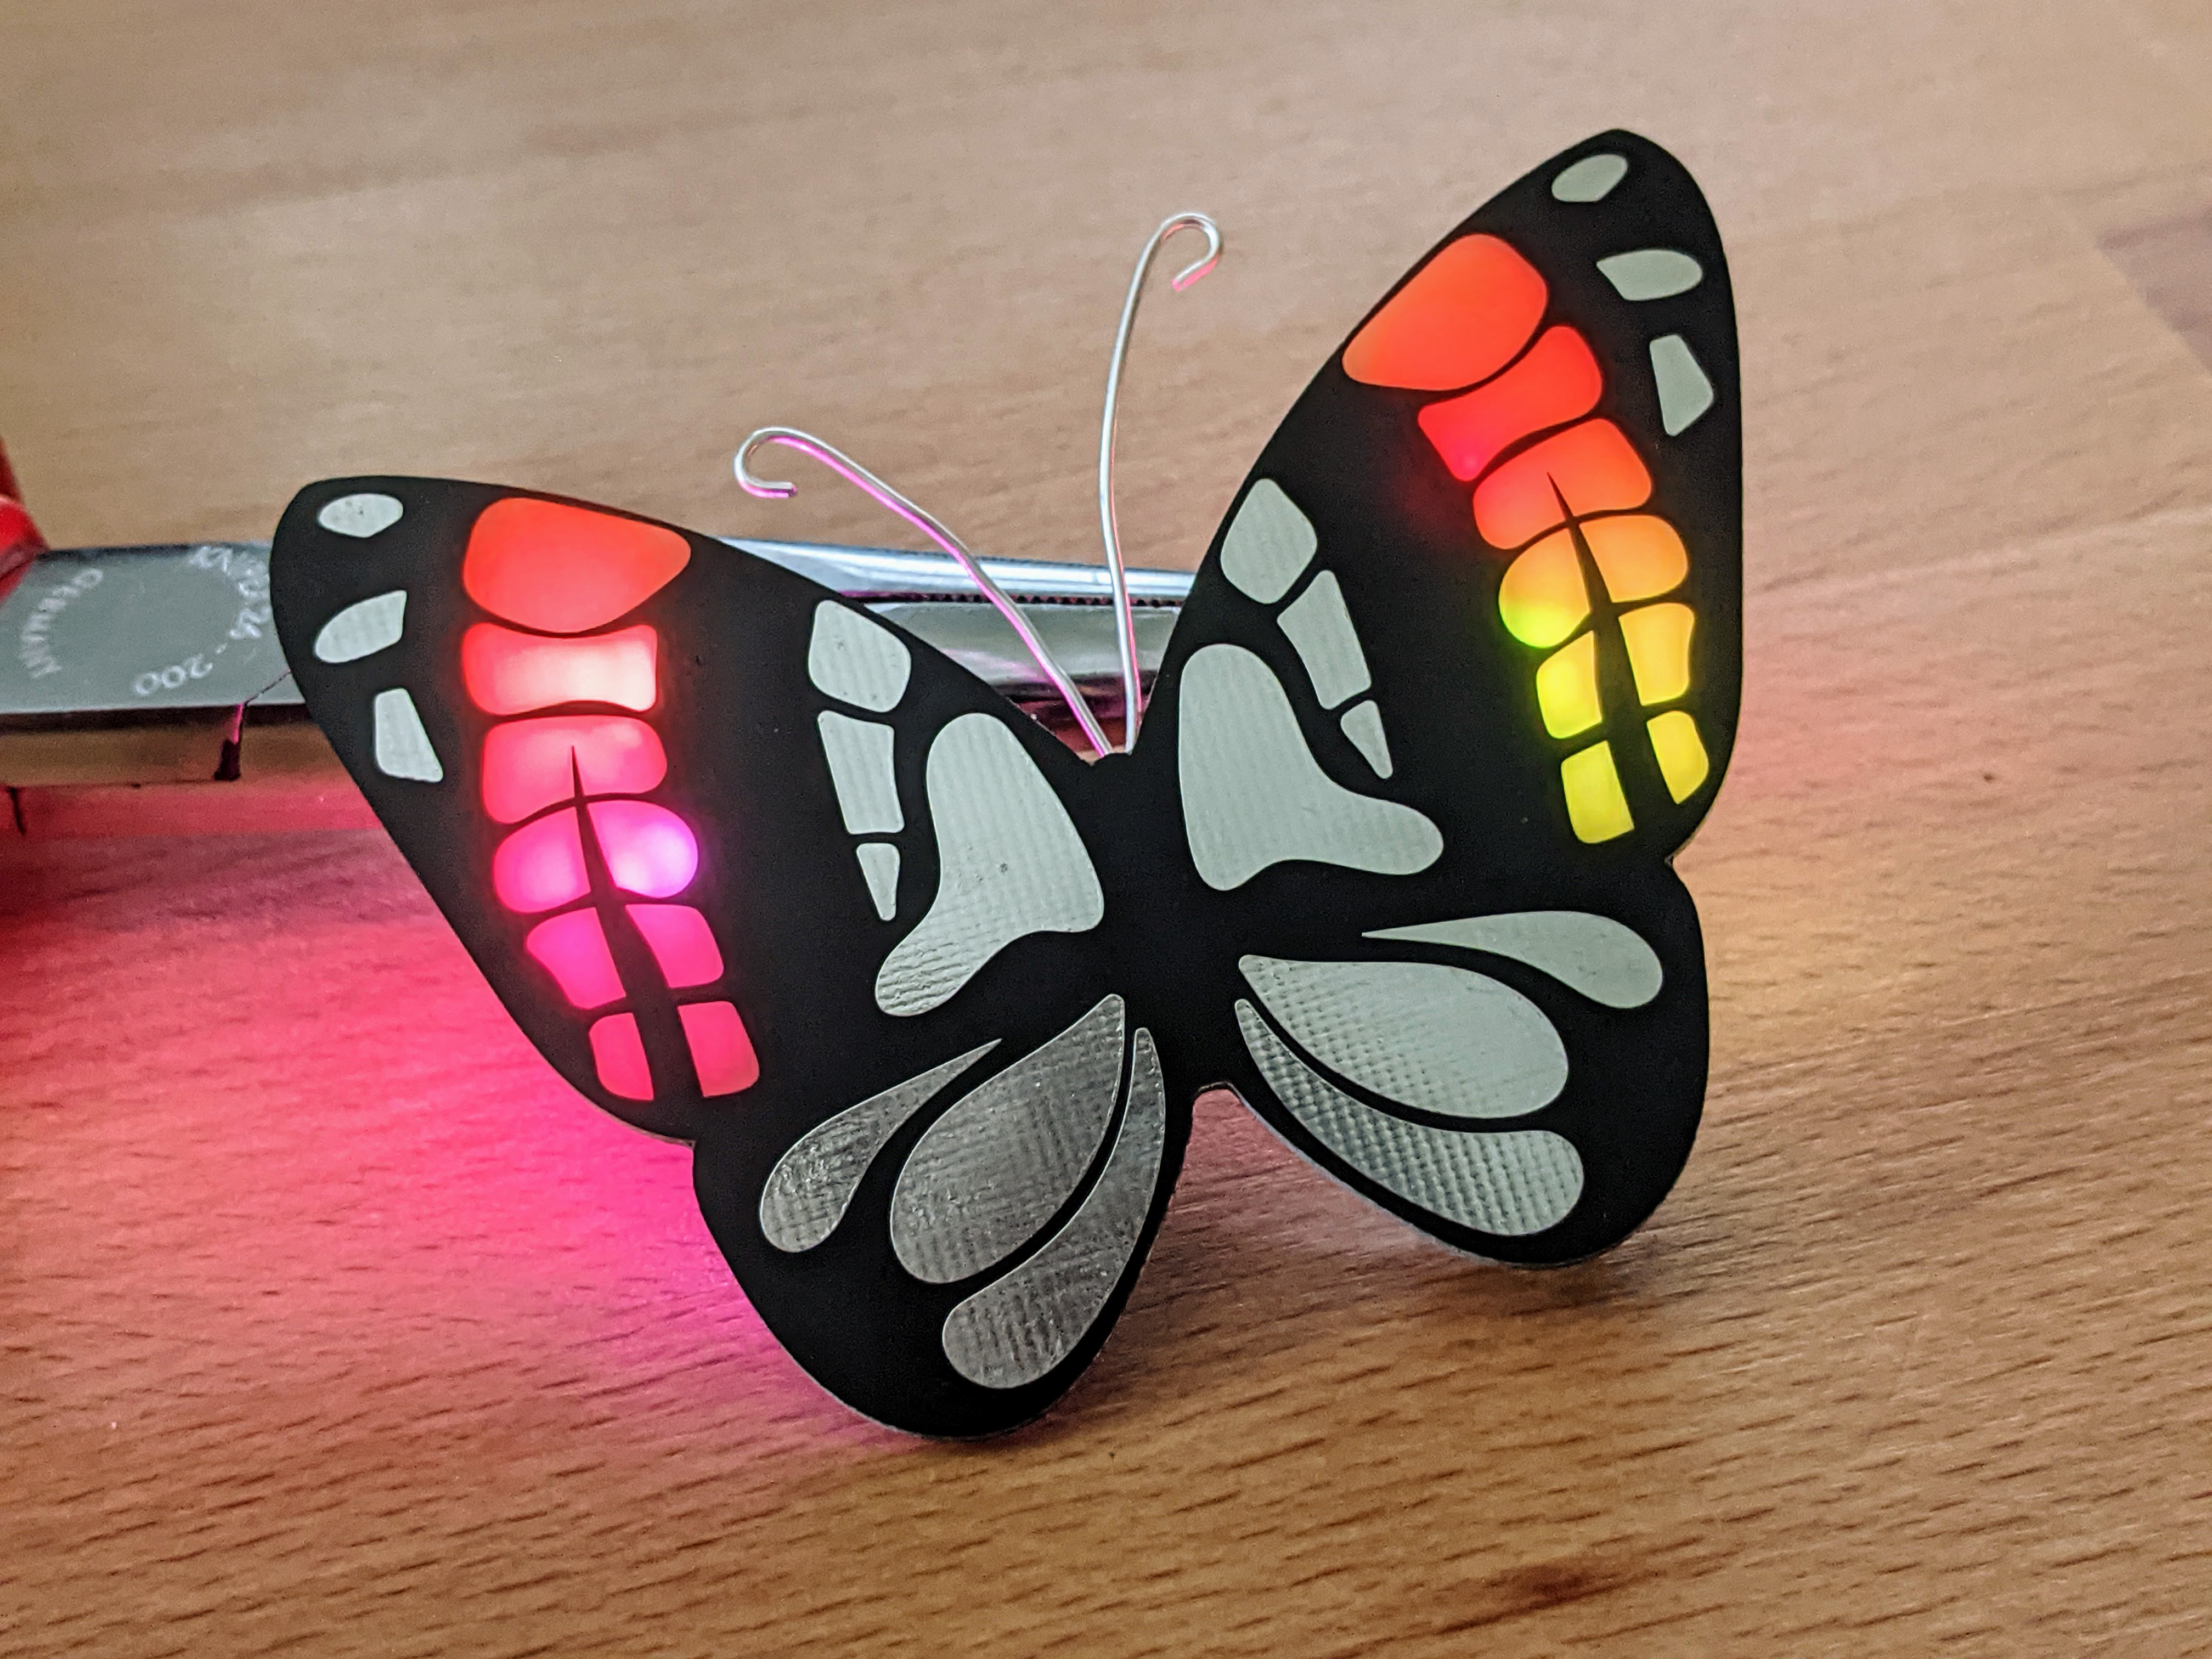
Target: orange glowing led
point(527, 765)
point(1463, 317)
point(573, 948)
point(563, 569)
point(721, 1050)
point(1556, 381)
point(1640, 556)
point(1592, 465)
point(511, 673)
point(1543, 599)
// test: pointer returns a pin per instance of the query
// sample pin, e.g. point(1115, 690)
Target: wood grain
point(330, 1323)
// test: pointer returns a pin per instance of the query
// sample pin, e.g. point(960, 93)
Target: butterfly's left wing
point(1457, 678)
point(755, 869)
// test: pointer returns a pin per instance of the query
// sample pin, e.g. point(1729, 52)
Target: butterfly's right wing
point(757, 869)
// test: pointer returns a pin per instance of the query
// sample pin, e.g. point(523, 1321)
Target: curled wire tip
point(1197, 268)
point(772, 490)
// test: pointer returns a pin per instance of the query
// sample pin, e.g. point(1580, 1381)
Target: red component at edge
point(20, 541)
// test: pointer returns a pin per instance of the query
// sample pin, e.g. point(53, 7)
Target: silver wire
point(1125, 615)
point(869, 484)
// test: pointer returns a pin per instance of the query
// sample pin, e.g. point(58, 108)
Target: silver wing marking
point(811, 1185)
point(1601, 958)
point(1509, 1182)
point(1016, 1330)
point(1253, 794)
point(1443, 1040)
point(992, 1170)
point(1010, 862)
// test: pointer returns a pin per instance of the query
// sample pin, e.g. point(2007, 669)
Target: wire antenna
point(1125, 615)
point(869, 484)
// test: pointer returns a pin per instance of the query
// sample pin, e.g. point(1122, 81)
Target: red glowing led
point(1557, 381)
point(1461, 319)
point(682, 943)
point(563, 569)
point(1592, 465)
point(619, 1054)
point(511, 673)
point(526, 763)
point(721, 1052)
point(573, 948)
point(649, 850)
point(540, 866)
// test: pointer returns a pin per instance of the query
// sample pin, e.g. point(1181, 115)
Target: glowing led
point(682, 943)
point(1542, 598)
point(1640, 556)
point(540, 866)
point(1592, 465)
point(721, 1052)
point(649, 850)
point(1595, 805)
point(511, 673)
point(1461, 318)
point(1567, 688)
point(563, 569)
point(618, 1052)
point(573, 948)
point(1681, 750)
point(1658, 641)
point(527, 763)
point(1554, 383)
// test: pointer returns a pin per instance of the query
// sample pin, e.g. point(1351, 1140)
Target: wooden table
point(333, 1323)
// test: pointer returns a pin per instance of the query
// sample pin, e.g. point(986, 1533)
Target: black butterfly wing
point(756, 870)
point(1459, 673)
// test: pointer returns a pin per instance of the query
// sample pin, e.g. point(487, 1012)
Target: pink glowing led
point(619, 1054)
point(527, 765)
point(682, 943)
point(649, 850)
point(511, 673)
point(721, 1051)
point(540, 866)
point(573, 948)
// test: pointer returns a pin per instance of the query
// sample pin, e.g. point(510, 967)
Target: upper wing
point(1459, 673)
point(757, 869)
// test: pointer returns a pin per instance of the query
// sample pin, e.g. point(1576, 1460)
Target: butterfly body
point(931, 996)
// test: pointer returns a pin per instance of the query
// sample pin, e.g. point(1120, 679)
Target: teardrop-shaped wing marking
point(1017, 1330)
point(1253, 794)
point(1512, 1183)
point(1598, 956)
point(1363, 726)
point(1442, 1039)
point(367, 514)
point(404, 749)
point(1004, 1157)
point(1651, 273)
point(1590, 179)
point(363, 629)
point(1685, 392)
point(811, 1186)
point(859, 661)
point(1010, 862)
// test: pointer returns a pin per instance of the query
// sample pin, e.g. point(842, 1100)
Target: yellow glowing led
point(1681, 752)
point(1639, 556)
point(1658, 641)
point(1567, 688)
point(1542, 598)
point(1595, 807)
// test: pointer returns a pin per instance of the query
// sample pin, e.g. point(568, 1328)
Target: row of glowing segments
point(1566, 501)
point(570, 781)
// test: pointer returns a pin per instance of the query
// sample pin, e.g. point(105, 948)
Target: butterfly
point(931, 996)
